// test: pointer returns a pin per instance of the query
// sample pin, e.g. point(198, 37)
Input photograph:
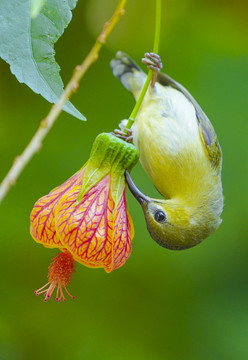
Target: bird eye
point(159, 216)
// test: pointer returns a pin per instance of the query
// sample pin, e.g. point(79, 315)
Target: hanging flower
point(86, 217)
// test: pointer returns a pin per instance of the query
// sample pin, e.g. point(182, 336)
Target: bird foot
point(153, 62)
point(126, 134)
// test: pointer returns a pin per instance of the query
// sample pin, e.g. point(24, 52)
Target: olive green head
point(169, 226)
point(169, 222)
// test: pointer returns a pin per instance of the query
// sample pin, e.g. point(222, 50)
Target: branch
point(46, 124)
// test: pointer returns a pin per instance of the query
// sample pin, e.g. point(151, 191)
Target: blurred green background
point(162, 305)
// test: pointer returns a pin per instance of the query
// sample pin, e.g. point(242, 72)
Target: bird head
point(169, 222)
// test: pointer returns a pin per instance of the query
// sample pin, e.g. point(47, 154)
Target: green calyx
point(109, 155)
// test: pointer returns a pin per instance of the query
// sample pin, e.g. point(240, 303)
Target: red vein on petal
point(123, 233)
point(44, 231)
point(86, 231)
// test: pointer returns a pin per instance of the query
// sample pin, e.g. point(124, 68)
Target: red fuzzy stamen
point(59, 274)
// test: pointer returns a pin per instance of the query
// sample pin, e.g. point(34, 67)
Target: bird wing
point(207, 133)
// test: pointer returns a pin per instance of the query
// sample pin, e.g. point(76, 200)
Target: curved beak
point(142, 198)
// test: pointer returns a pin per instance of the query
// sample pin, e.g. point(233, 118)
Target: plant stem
point(46, 124)
point(157, 27)
point(136, 108)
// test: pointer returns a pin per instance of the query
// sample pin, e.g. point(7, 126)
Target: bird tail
point(128, 72)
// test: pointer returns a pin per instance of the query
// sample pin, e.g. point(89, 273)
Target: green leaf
point(26, 44)
point(36, 6)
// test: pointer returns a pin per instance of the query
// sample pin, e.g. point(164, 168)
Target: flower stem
point(136, 108)
point(46, 124)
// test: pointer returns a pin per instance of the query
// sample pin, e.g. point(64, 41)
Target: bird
point(179, 151)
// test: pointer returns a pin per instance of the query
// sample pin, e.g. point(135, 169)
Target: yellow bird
point(180, 152)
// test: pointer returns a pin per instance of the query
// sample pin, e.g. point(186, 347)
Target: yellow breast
point(167, 135)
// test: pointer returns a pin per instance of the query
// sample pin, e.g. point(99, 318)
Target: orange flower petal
point(122, 235)
point(42, 225)
point(86, 229)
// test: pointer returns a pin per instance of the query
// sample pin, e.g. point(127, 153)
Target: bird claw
point(126, 134)
point(153, 62)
